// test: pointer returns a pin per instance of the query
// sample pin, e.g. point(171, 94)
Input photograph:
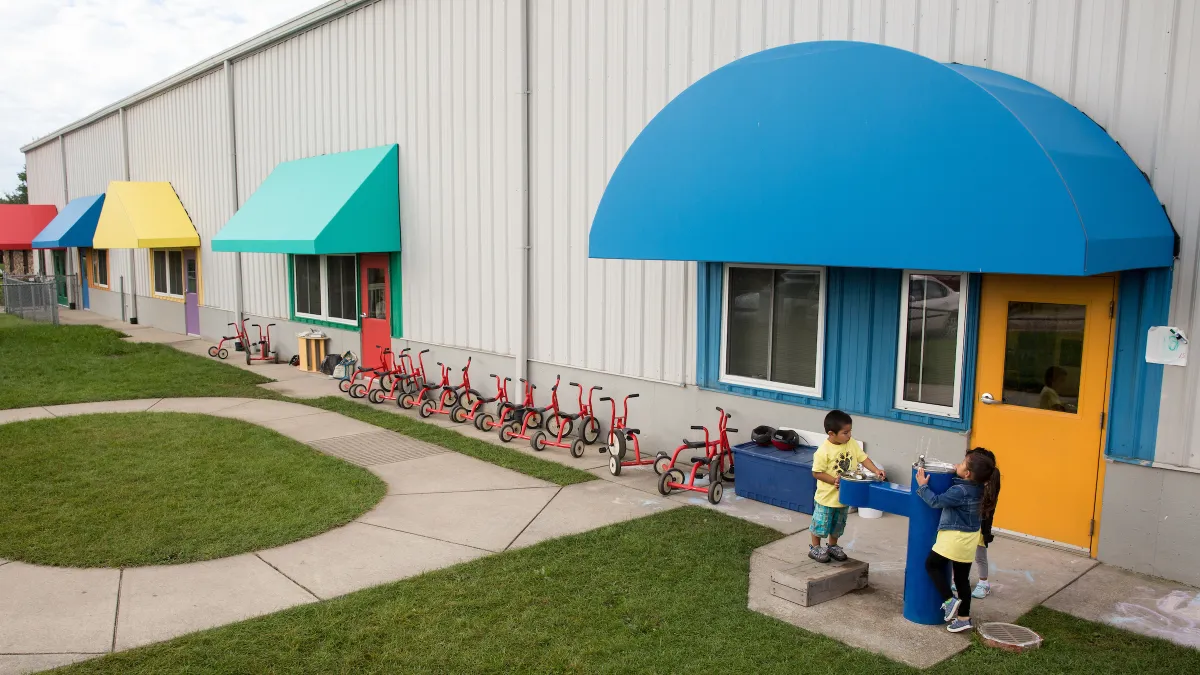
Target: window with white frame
point(773, 328)
point(168, 272)
point(326, 287)
point(99, 258)
point(931, 343)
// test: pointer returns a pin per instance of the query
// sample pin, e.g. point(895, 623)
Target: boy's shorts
point(828, 521)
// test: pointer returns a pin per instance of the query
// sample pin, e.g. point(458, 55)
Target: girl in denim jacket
point(959, 534)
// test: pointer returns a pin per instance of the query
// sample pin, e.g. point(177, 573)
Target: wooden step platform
point(811, 583)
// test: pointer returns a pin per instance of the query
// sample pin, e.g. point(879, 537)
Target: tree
point(21, 196)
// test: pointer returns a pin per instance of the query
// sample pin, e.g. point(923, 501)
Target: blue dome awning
point(74, 226)
point(856, 154)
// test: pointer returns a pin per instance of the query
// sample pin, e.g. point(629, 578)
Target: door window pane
point(1043, 355)
point(376, 293)
point(190, 269)
point(342, 287)
point(932, 325)
point(307, 270)
point(160, 272)
point(100, 267)
point(175, 269)
point(772, 325)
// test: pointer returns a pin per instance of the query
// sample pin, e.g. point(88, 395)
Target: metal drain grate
point(377, 447)
point(1009, 636)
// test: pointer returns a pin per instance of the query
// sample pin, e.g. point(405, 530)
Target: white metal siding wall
point(182, 137)
point(94, 157)
point(43, 174)
point(438, 79)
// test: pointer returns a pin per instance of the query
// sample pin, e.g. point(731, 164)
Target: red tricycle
point(717, 456)
point(266, 353)
point(558, 424)
point(450, 394)
point(477, 412)
point(620, 437)
point(370, 375)
point(520, 419)
point(424, 388)
point(239, 337)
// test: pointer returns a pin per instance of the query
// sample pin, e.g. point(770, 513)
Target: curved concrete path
point(441, 508)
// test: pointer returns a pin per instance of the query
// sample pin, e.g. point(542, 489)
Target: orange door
point(376, 304)
point(1041, 399)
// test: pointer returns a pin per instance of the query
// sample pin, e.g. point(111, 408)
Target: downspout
point(133, 315)
point(523, 286)
point(233, 173)
point(62, 153)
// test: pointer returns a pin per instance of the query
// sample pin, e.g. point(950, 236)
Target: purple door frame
point(191, 295)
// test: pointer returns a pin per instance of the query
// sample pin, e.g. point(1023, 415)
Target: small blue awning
point(855, 154)
point(74, 226)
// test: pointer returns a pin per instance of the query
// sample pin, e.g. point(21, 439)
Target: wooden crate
point(811, 583)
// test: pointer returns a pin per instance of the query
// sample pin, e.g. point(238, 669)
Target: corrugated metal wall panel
point(438, 79)
point(182, 137)
point(44, 176)
point(94, 157)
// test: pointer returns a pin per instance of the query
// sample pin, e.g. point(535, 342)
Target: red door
point(376, 304)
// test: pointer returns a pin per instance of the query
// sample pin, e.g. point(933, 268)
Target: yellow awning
point(143, 215)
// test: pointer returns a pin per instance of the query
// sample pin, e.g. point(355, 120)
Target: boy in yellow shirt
point(838, 455)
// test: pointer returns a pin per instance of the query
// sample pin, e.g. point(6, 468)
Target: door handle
point(363, 315)
point(987, 399)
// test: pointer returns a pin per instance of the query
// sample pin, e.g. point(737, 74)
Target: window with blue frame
point(884, 343)
point(929, 375)
point(774, 323)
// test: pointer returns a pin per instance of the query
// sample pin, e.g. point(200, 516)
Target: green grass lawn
point(499, 455)
point(48, 365)
point(119, 490)
point(663, 594)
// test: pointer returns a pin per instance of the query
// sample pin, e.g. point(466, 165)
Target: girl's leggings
point(939, 567)
point(981, 562)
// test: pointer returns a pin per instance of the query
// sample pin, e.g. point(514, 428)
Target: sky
point(65, 59)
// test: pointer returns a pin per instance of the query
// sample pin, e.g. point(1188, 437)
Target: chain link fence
point(32, 297)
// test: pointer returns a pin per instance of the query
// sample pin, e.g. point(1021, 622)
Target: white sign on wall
point(1166, 345)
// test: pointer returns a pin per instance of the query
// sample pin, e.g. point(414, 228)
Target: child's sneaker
point(837, 553)
point(818, 553)
point(959, 625)
point(982, 589)
point(950, 609)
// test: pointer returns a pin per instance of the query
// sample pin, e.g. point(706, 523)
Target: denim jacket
point(960, 505)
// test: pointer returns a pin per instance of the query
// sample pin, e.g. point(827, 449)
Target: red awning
point(20, 223)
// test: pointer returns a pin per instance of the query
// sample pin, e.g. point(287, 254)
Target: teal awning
point(348, 202)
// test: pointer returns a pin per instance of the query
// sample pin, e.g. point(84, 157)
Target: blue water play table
point(781, 478)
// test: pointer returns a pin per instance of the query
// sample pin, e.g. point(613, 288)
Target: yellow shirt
point(957, 546)
point(835, 460)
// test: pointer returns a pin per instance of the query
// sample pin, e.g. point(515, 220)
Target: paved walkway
point(443, 508)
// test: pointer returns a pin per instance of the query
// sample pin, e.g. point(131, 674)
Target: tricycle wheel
point(617, 445)
point(485, 421)
point(375, 396)
point(223, 353)
point(505, 411)
point(508, 431)
point(212, 351)
point(458, 414)
point(677, 476)
point(715, 490)
point(552, 424)
point(468, 399)
point(614, 465)
point(589, 429)
point(663, 488)
point(535, 420)
point(344, 385)
point(407, 401)
point(450, 398)
point(567, 426)
point(578, 447)
point(538, 440)
point(387, 381)
point(426, 409)
point(359, 390)
point(662, 463)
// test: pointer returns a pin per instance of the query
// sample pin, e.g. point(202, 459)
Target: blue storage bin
point(777, 477)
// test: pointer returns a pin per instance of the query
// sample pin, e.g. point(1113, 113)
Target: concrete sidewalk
point(441, 508)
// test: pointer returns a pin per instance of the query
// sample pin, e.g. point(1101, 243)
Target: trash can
point(312, 351)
